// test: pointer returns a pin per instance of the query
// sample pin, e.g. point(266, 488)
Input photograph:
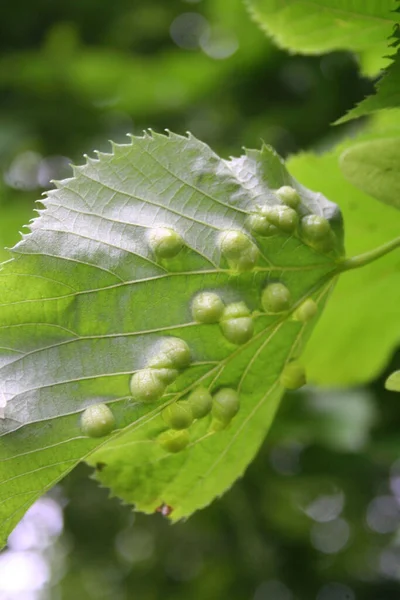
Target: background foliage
point(317, 514)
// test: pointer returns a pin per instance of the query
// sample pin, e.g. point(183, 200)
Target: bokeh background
point(317, 515)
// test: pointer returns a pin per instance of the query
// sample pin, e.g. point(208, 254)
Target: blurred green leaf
point(387, 94)
point(392, 383)
point(374, 167)
point(342, 420)
point(338, 419)
point(317, 27)
point(360, 327)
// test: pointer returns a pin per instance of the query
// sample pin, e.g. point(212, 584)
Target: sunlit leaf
point(392, 383)
point(362, 26)
point(86, 301)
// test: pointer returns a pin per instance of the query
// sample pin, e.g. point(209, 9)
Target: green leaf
point(310, 27)
point(374, 167)
point(86, 302)
point(371, 64)
point(392, 383)
point(387, 94)
point(359, 329)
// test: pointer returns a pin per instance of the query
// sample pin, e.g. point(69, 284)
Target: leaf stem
point(355, 262)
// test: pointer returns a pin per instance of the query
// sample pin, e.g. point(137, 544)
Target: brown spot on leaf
point(164, 509)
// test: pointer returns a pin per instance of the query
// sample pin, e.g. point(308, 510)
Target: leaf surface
point(374, 167)
point(310, 27)
point(392, 383)
point(85, 303)
point(360, 328)
point(387, 94)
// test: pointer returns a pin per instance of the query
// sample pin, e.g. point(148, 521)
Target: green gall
point(260, 225)
point(239, 250)
point(283, 217)
point(293, 376)
point(174, 353)
point(174, 440)
point(225, 405)
point(317, 233)
point(234, 243)
point(167, 375)
point(178, 415)
point(207, 307)
point(200, 401)
point(217, 425)
point(165, 242)
point(315, 228)
point(276, 298)
point(289, 196)
point(236, 323)
point(306, 311)
point(392, 383)
point(238, 331)
point(146, 386)
point(97, 421)
point(235, 310)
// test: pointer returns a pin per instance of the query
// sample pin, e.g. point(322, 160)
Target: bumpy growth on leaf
point(90, 309)
point(97, 421)
point(276, 298)
point(293, 376)
point(165, 242)
point(178, 415)
point(172, 353)
point(174, 441)
point(315, 228)
point(166, 375)
point(306, 311)
point(236, 323)
point(207, 307)
point(200, 401)
point(259, 225)
point(317, 232)
point(240, 252)
point(288, 195)
point(238, 331)
point(235, 310)
point(226, 405)
point(146, 386)
point(282, 217)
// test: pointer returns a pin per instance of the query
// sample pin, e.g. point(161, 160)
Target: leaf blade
point(387, 94)
point(205, 473)
point(314, 28)
point(365, 296)
point(84, 299)
point(392, 383)
point(374, 167)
